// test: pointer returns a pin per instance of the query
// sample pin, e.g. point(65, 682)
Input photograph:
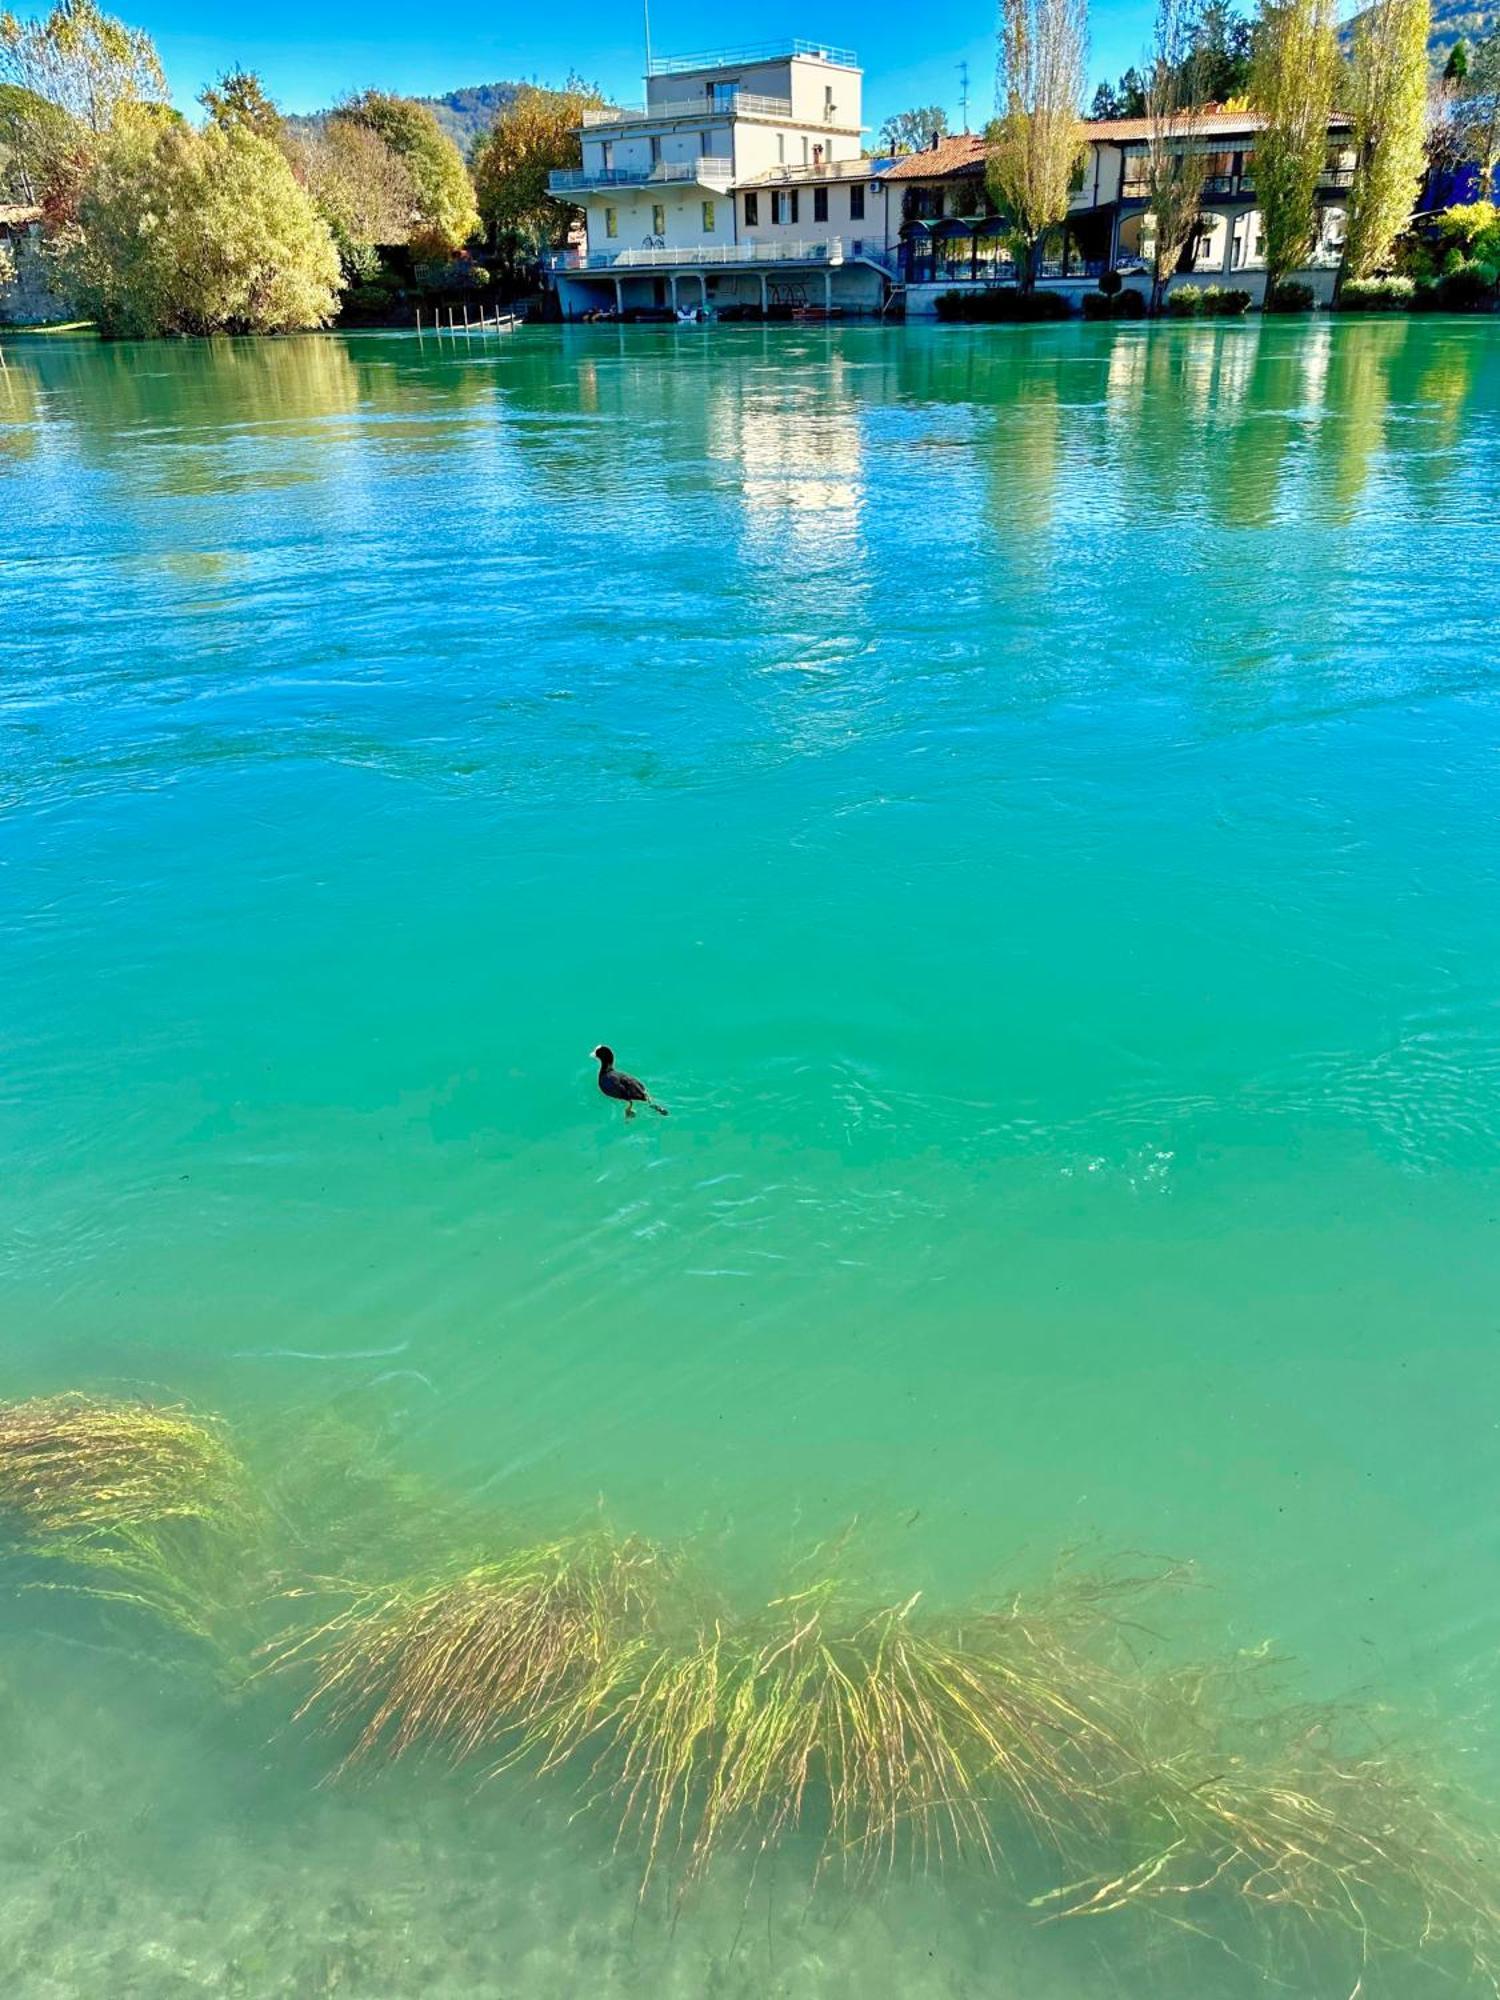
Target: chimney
point(932, 143)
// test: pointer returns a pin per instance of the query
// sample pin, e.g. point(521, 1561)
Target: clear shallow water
point(1026, 801)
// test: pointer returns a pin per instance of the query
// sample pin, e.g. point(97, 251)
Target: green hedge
point(1216, 302)
point(1004, 302)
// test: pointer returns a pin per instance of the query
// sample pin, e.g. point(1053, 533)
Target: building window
point(820, 204)
point(658, 219)
point(856, 204)
point(794, 204)
point(708, 218)
point(784, 206)
point(611, 222)
point(752, 210)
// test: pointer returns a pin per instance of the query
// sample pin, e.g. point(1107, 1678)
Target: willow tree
point(1176, 164)
point(184, 232)
point(1292, 80)
point(1389, 105)
point(1036, 141)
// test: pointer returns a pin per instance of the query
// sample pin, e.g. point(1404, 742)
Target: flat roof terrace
point(739, 58)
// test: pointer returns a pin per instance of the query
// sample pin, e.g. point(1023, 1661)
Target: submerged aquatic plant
point(74, 1465)
point(1276, 1813)
point(892, 1732)
point(122, 1501)
point(462, 1662)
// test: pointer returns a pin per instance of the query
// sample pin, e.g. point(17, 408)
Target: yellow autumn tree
point(185, 232)
point(1389, 108)
point(536, 133)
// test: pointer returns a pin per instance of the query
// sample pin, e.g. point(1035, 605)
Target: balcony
point(650, 257)
point(1238, 187)
point(708, 171)
point(735, 104)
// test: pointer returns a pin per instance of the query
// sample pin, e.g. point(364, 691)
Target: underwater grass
point(458, 1662)
point(73, 1465)
point(1282, 1815)
point(896, 1734)
point(125, 1502)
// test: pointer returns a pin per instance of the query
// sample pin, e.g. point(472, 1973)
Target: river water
point(1025, 800)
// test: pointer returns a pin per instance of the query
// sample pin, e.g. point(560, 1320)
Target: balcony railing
point(762, 52)
point(1134, 188)
point(720, 255)
point(737, 104)
point(709, 170)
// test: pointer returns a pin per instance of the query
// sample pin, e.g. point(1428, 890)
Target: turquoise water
point(1025, 800)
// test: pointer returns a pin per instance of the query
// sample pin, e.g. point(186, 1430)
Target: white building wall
point(635, 211)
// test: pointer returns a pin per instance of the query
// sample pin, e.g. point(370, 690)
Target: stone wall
point(31, 299)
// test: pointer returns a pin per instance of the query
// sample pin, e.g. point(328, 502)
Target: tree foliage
point(42, 150)
point(1292, 83)
point(1222, 45)
point(1388, 91)
point(1125, 99)
point(85, 62)
point(239, 98)
point(443, 213)
point(910, 131)
point(1176, 164)
point(360, 186)
point(186, 232)
point(1476, 109)
point(535, 133)
point(1036, 141)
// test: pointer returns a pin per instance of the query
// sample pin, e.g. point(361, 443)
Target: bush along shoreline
point(1037, 1735)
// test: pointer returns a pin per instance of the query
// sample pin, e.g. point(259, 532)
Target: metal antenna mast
point(646, 16)
point(963, 92)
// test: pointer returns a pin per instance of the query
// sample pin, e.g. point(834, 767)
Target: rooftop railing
point(737, 104)
point(762, 52)
point(710, 170)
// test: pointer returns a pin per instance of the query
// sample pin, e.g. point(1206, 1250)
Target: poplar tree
point(1292, 78)
point(1176, 163)
point(1036, 141)
point(1389, 106)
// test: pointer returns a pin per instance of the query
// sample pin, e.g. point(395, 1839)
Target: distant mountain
point(1452, 21)
point(466, 115)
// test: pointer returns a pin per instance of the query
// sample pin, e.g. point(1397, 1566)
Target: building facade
point(735, 186)
point(739, 187)
point(948, 233)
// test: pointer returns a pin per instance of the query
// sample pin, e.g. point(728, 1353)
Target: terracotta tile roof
point(1212, 125)
point(962, 153)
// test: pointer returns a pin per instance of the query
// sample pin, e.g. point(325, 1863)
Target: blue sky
point(308, 54)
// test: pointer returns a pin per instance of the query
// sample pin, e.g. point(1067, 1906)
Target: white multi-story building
point(739, 182)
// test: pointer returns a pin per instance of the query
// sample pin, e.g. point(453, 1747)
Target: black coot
point(627, 1090)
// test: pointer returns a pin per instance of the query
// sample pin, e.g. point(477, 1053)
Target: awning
point(953, 225)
